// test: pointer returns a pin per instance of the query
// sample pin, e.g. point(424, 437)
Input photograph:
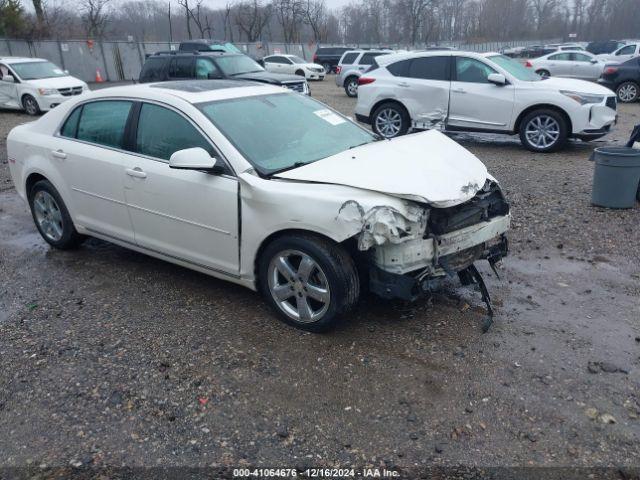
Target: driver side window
point(205, 69)
point(472, 70)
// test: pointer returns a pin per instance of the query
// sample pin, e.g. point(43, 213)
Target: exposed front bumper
point(47, 102)
point(595, 120)
point(426, 253)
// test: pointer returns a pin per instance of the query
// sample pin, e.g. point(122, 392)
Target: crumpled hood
point(426, 167)
point(56, 82)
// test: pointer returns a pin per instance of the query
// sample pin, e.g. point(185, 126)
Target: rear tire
point(30, 105)
point(52, 218)
point(327, 68)
point(308, 280)
point(390, 120)
point(351, 87)
point(543, 73)
point(628, 92)
point(543, 131)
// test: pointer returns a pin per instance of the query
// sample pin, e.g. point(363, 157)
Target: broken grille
point(487, 204)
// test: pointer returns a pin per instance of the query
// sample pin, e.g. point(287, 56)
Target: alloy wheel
point(298, 286)
point(542, 131)
point(48, 215)
point(352, 87)
point(30, 106)
point(388, 122)
point(627, 92)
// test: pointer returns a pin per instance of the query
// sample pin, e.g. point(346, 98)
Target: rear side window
point(430, 68)
point(399, 69)
point(70, 127)
point(153, 69)
point(104, 122)
point(180, 67)
point(161, 132)
point(349, 58)
point(563, 57)
point(580, 57)
point(367, 58)
point(473, 71)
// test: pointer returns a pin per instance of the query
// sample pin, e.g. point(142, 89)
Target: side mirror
point(594, 60)
point(66, 72)
point(8, 79)
point(193, 159)
point(497, 79)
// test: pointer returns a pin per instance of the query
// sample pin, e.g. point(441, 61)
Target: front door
point(186, 214)
point(90, 153)
point(475, 102)
point(8, 89)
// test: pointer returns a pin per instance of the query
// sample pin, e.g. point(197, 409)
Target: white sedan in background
point(35, 85)
point(622, 54)
point(582, 65)
point(481, 92)
point(263, 187)
point(293, 65)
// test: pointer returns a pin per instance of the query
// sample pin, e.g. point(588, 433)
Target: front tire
point(300, 73)
point(30, 105)
point(351, 87)
point(51, 217)
point(628, 92)
point(543, 131)
point(308, 280)
point(390, 120)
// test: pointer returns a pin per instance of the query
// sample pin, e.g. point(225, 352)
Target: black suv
point(164, 66)
point(329, 57)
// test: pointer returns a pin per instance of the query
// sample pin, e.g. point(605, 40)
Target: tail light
point(365, 80)
point(528, 64)
point(315, 57)
point(610, 70)
point(338, 69)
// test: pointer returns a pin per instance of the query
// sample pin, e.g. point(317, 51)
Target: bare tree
point(95, 17)
point(228, 28)
point(315, 15)
point(290, 14)
point(251, 17)
point(187, 14)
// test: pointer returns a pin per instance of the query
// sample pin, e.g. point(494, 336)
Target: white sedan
point(481, 92)
point(35, 85)
point(293, 65)
point(263, 187)
point(582, 65)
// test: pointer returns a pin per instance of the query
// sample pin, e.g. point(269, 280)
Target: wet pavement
point(111, 358)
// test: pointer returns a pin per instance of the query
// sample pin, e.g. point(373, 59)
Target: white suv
point(35, 85)
point(465, 91)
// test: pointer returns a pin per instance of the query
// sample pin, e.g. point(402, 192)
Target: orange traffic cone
point(98, 76)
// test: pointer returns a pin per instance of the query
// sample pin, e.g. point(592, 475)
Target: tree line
point(382, 22)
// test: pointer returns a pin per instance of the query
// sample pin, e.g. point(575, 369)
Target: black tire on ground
point(335, 269)
point(69, 238)
point(351, 87)
point(327, 67)
point(628, 92)
point(552, 122)
point(543, 73)
point(300, 73)
point(30, 105)
point(390, 110)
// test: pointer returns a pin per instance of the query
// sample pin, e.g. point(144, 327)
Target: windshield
point(227, 47)
point(296, 59)
point(36, 70)
point(238, 64)
point(280, 131)
point(515, 68)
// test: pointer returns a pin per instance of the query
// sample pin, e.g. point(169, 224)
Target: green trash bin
point(616, 179)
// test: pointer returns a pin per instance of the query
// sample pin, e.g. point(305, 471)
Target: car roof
point(395, 57)
point(21, 59)
point(191, 91)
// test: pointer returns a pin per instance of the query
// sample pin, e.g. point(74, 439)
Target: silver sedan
point(581, 65)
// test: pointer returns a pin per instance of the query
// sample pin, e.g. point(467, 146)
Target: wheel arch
point(32, 179)
point(389, 100)
point(543, 106)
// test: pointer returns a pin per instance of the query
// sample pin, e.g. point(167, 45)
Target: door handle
point(459, 90)
point(59, 154)
point(136, 172)
point(403, 84)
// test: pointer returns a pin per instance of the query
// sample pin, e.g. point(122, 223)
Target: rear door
point(561, 65)
point(475, 102)
point(584, 68)
point(8, 90)
point(186, 214)
point(423, 86)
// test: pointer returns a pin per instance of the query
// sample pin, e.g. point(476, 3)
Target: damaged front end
point(408, 254)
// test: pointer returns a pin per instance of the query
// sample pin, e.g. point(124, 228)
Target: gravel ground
point(111, 358)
